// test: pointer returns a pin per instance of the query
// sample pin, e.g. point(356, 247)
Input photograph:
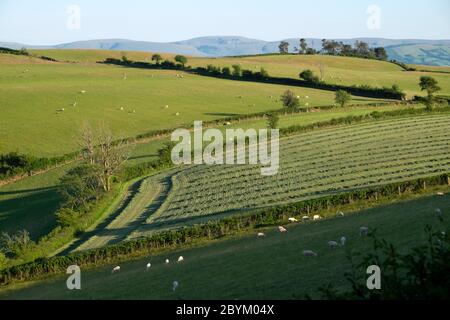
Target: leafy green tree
point(289, 100)
point(181, 59)
point(272, 120)
point(342, 97)
point(303, 46)
point(237, 70)
point(157, 58)
point(430, 85)
point(309, 76)
point(284, 47)
point(80, 185)
point(380, 53)
point(226, 71)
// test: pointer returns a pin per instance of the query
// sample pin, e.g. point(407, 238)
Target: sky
point(48, 22)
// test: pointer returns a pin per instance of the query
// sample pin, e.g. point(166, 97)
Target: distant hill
point(428, 52)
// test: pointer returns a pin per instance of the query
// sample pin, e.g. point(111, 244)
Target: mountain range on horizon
point(413, 51)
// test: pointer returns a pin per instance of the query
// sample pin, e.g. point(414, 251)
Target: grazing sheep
point(306, 97)
point(440, 194)
point(282, 229)
point(292, 220)
point(298, 97)
point(343, 241)
point(134, 111)
point(167, 261)
point(83, 91)
point(305, 218)
point(62, 110)
point(332, 244)
point(175, 285)
point(363, 231)
point(121, 109)
point(227, 124)
point(317, 217)
point(340, 214)
point(177, 114)
point(166, 107)
point(180, 259)
point(115, 269)
point(261, 235)
point(74, 104)
point(309, 253)
point(149, 265)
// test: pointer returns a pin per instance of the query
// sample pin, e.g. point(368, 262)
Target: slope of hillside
point(251, 268)
point(433, 52)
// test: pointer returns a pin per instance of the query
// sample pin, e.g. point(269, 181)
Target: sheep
point(167, 261)
point(177, 114)
point(261, 235)
point(317, 217)
point(292, 220)
point(62, 110)
point(134, 111)
point(440, 194)
point(306, 97)
point(166, 107)
point(121, 109)
point(282, 229)
point(332, 244)
point(115, 269)
point(74, 104)
point(83, 91)
point(305, 218)
point(149, 265)
point(343, 241)
point(340, 214)
point(298, 97)
point(363, 231)
point(175, 285)
point(180, 259)
point(227, 124)
point(309, 253)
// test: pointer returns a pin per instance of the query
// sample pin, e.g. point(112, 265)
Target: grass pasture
point(251, 268)
point(31, 102)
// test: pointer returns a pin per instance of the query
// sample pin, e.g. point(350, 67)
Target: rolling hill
point(430, 52)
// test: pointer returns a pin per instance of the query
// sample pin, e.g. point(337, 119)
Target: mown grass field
point(33, 95)
point(312, 164)
point(249, 268)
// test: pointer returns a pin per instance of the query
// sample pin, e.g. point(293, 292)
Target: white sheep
point(167, 261)
point(177, 114)
point(175, 285)
point(166, 107)
point(62, 109)
point(121, 109)
point(180, 259)
point(292, 220)
point(343, 241)
point(317, 217)
point(74, 104)
point(282, 229)
point(298, 97)
point(305, 218)
point(261, 235)
point(149, 265)
point(332, 244)
point(440, 194)
point(306, 97)
point(115, 269)
point(340, 214)
point(363, 231)
point(83, 91)
point(309, 253)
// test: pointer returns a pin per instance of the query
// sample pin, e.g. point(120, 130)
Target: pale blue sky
point(44, 21)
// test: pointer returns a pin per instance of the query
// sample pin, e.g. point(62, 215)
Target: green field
point(251, 268)
point(338, 70)
point(312, 164)
point(31, 102)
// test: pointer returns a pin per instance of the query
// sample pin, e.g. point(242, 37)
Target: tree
point(107, 154)
point(272, 120)
point(362, 48)
point(263, 73)
point(430, 85)
point(380, 53)
point(309, 76)
point(226, 71)
point(342, 97)
point(80, 185)
point(157, 58)
point(303, 47)
point(181, 59)
point(237, 70)
point(289, 100)
point(284, 47)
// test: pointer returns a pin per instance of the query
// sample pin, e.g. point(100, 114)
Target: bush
point(237, 70)
point(290, 100)
point(17, 244)
point(342, 97)
point(309, 76)
point(68, 218)
point(226, 71)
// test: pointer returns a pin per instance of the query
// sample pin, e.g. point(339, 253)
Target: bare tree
point(100, 148)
